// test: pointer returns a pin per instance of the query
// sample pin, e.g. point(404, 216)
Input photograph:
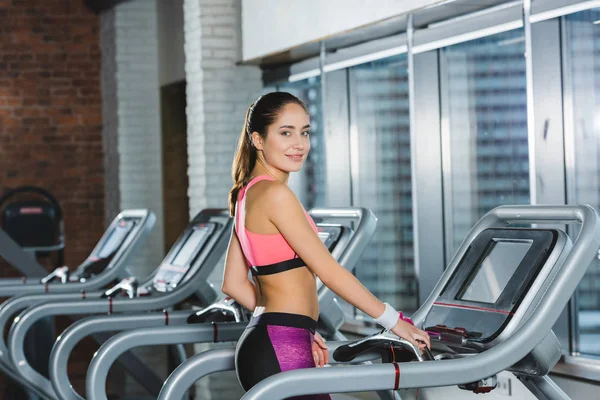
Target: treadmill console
point(330, 234)
point(102, 255)
point(105, 250)
point(491, 280)
point(178, 262)
point(116, 237)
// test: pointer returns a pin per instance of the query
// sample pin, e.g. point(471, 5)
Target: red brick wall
point(50, 111)
point(51, 120)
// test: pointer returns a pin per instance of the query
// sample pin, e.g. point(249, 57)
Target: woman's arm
point(287, 214)
point(235, 276)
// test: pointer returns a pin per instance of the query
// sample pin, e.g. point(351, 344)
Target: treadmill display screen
point(495, 271)
point(115, 239)
point(196, 238)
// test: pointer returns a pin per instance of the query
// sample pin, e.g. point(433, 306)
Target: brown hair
point(260, 115)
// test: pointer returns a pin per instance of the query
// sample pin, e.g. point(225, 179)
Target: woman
point(278, 241)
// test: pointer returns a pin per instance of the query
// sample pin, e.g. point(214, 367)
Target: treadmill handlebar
point(366, 223)
point(12, 306)
point(382, 342)
point(59, 384)
point(543, 214)
point(208, 362)
point(122, 342)
point(355, 213)
point(60, 273)
point(226, 306)
point(128, 285)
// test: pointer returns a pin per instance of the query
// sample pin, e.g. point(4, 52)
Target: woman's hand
point(320, 352)
point(411, 333)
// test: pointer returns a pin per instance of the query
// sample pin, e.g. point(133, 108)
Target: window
point(381, 176)
point(583, 59)
point(484, 130)
point(309, 183)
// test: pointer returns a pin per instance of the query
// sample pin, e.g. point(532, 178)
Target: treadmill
point(492, 310)
point(346, 232)
point(181, 275)
point(106, 264)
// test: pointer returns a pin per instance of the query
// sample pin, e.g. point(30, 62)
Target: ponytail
point(243, 163)
point(260, 115)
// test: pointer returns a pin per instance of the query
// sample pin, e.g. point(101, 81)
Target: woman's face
point(287, 143)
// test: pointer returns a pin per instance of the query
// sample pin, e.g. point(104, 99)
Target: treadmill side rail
point(124, 341)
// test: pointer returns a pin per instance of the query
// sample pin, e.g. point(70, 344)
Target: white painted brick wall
point(110, 132)
point(132, 133)
point(138, 109)
point(218, 94)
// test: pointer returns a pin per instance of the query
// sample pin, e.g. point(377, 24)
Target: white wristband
point(389, 318)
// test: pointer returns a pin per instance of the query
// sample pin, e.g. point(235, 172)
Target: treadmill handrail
point(59, 384)
point(110, 273)
point(37, 311)
point(366, 225)
point(124, 341)
point(208, 362)
point(475, 367)
point(194, 368)
point(18, 303)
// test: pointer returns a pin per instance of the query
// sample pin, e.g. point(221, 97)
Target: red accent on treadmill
point(110, 305)
point(397, 378)
point(123, 223)
point(166, 317)
point(24, 280)
point(83, 295)
point(93, 259)
point(46, 288)
point(486, 389)
point(215, 332)
point(30, 210)
point(437, 303)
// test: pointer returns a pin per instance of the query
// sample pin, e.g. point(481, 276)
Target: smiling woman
point(278, 242)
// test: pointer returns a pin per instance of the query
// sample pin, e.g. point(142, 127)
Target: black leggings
point(273, 343)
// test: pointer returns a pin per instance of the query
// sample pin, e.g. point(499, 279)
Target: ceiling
point(391, 26)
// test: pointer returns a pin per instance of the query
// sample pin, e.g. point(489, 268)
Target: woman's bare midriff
point(293, 291)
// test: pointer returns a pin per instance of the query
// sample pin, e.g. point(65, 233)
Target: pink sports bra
point(265, 253)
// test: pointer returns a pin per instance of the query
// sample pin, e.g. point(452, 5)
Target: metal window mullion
point(413, 148)
point(354, 141)
point(569, 140)
point(447, 187)
point(530, 99)
point(323, 86)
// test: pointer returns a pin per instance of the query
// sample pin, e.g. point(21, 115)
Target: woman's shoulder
point(274, 193)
